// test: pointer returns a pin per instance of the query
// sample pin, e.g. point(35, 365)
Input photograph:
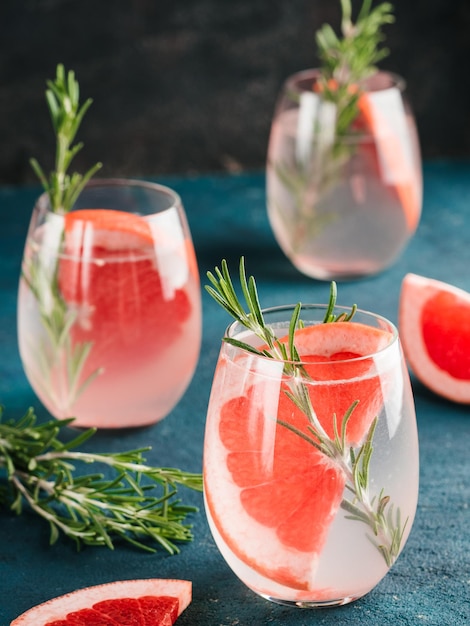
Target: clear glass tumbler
point(109, 305)
point(343, 205)
point(311, 469)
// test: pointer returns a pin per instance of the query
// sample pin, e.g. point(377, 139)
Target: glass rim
point(314, 72)
point(45, 220)
point(42, 201)
point(236, 328)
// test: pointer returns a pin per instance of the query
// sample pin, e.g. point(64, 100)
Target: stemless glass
point(311, 473)
point(343, 205)
point(109, 305)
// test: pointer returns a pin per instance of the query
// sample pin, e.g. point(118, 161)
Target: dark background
point(182, 86)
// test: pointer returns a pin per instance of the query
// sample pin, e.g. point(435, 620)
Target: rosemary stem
point(49, 517)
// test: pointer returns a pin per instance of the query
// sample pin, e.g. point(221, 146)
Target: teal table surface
point(429, 584)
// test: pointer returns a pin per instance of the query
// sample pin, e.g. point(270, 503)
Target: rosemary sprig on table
point(63, 99)
point(136, 503)
point(378, 513)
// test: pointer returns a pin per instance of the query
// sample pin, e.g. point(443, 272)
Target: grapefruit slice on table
point(123, 304)
point(270, 494)
point(147, 602)
point(434, 323)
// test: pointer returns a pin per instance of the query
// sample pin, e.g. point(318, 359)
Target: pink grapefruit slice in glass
point(270, 494)
point(109, 274)
point(105, 228)
point(147, 602)
point(393, 153)
point(434, 324)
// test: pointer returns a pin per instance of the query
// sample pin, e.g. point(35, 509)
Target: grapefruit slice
point(109, 275)
point(105, 228)
point(270, 494)
point(434, 323)
point(147, 602)
point(393, 147)
point(343, 352)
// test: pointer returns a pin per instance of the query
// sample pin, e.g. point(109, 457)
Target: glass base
point(340, 274)
point(312, 604)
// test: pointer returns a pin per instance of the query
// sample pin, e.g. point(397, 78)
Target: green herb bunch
point(130, 501)
point(377, 513)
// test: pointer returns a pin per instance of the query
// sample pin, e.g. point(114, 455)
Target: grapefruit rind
point(416, 291)
point(58, 608)
point(350, 337)
point(105, 228)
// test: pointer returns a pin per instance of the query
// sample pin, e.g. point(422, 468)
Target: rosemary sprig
point(63, 99)
point(347, 60)
point(377, 513)
point(56, 351)
point(137, 503)
point(354, 56)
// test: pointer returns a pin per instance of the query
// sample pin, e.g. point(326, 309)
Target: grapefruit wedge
point(271, 496)
point(147, 602)
point(105, 228)
point(109, 275)
point(339, 352)
point(434, 324)
point(392, 147)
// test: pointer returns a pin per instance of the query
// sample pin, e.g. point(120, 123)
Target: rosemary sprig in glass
point(63, 99)
point(134, 502)
point(39, 273)
point(378, 513)
point(346, 61)
point(56, 348)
